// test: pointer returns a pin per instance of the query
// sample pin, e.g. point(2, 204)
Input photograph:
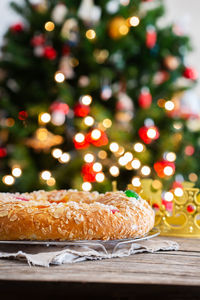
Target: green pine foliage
point(27, 84)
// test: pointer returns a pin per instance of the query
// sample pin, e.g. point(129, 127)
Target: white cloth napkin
point(71, 253)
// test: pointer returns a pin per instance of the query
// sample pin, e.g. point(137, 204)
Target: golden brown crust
point(73, 215)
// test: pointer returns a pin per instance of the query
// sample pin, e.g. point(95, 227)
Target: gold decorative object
point(118, 27)
point(182, 217)
point(44, 140)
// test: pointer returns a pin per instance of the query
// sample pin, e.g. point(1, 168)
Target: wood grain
point(163, 268)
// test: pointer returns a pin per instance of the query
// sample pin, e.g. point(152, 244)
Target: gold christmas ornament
point(100, 55)
point(41, 7)
point(118, 27)
point(44, 140)
point(171, 62)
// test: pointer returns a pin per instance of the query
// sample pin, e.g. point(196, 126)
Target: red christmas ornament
point(65, 50)
point(98, 142)
point(160, 77)
point(189, 150)
point(22, 115)
point(50, 53)
point(81, 110)
point(3, 152)
point(38, 40)
point(60, 106)
point(190, 73)
point(88, 173)
point(148, 134)
point(151, 37)
point(145, 99)
point(18, 27)
point(160, 166)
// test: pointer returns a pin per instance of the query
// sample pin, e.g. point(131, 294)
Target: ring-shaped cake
point(74, 215)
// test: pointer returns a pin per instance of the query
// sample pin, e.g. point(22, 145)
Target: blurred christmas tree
point(91, 92)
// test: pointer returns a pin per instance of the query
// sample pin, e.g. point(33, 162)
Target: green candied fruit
point(130, 193)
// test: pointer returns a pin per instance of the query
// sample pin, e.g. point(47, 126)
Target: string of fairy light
point(123, 159)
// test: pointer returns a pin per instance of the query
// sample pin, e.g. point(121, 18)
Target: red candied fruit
point(190, 208)
point(114, 210)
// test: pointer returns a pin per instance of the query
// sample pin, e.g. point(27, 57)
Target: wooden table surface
point(167, 273)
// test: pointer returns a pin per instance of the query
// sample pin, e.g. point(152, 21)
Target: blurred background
point(184, 12)
point(95, 91)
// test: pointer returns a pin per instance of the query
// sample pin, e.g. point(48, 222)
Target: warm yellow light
point(151, 133)
point(107, 123)
point(136, 181)
point(157, 184)
point(145, 170)
point(122, 161)
point(161, 102)
point(79, 137)
point(123, 29)
point(114, 147)
point(86, 186)
point(88, 157)
point(97, 167)
point(178, 192)
point(171, 156)
point(9, 122)
point(51, 181)
point(86, 99)
point(100, 177)
point(59, 77)
point(16, 171)
point(96, 134)
point(45, 175)
point(65, 157)
point(42, 134)
point(128, 166)
point(8, 179)
point(168, 196)
point(114, 171)
point(193, 177)
point(74, 62)
point(128, 156)
point(120, 151)
point(44, 118)
point(168, 171)
point(89, 121)
point(138, 147)
point(102, 154)
point(101, 55)
point(134, 21)
point(56, 153)
point(124, 2)
point(136, 164)
point(169, 105)
point(49, 26)
point(178, 125)
point(90, 34)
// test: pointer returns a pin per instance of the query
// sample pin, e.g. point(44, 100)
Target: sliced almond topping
point(90, 231)
point(58, 213)
point(13, 218)
point(3, 213)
